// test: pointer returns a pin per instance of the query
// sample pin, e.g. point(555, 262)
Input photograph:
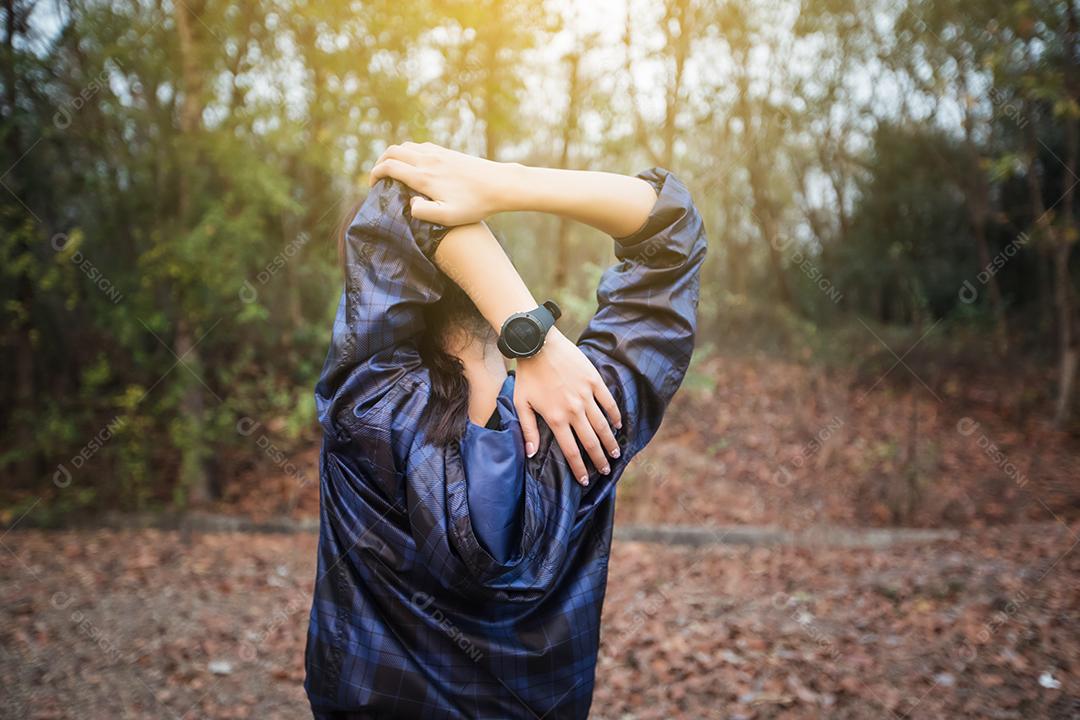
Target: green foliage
point(910, 249)
point(175, 175)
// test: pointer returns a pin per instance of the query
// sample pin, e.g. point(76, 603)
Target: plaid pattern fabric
point(412, 617)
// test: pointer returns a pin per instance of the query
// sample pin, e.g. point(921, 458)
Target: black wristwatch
point(523, 333)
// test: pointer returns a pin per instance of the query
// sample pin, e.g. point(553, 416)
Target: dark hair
point(446, 414)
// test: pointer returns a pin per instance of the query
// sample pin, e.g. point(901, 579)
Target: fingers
point(408, 174)
point(406, 152)
point(566, 441)
point(602, 429)
point(607, 402)
point(527, 418)
point(588, 439)
point(429, 210)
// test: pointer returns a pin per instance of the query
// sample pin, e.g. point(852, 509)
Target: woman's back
point(468, 580)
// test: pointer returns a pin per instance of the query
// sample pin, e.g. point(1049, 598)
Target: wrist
point(508, 306)
point(552, 343)
point(514, 184)
point(554, 338)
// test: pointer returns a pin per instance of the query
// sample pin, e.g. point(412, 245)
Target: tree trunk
point(492, 72)
point(194, 473)
point(194, 477)
point(765, 217)
point(911, 503)
point(978, 213)
point(764, 211)
point(570, 123)
point(640, 130)
point(1067, 236)
point(190, 107)
point(25, 390)
point(679, 46)
point(735, 257)
point(1066, 336)
point(977, 200)
point(776, 260)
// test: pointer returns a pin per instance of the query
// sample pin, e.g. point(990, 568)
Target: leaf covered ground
point(148, 624)
point(766, 441)
point(151, 624)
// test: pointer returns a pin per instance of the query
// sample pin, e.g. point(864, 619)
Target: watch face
point(523, 335)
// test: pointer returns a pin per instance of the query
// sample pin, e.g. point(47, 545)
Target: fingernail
point(605, 470)
point(616, 453)
point(618, 425)
point(530, 449)
point(584, 480)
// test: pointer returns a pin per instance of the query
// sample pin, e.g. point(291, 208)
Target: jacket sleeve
point(642, 335)
point(389, 277)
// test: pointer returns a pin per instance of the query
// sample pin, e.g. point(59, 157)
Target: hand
point(562, 386)
point(463, 189)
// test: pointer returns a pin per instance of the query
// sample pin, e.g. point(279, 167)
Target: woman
point(464, 544)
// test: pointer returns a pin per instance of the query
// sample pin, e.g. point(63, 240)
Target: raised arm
point(559, 382)
point(642, 335)
point(465, 189)
point(614, 204)
point(389, 277)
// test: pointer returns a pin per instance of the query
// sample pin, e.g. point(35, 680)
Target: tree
point(1038, 90)
point(483, 54)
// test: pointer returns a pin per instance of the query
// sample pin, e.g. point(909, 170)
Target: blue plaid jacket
point(467, 582)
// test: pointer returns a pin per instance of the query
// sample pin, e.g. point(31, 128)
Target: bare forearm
point(472, 257)
point(614, 204)
point(559, 382)
point(463, 189)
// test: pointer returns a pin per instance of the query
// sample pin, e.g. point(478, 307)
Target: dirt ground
point(151, 624)
point(762, 441)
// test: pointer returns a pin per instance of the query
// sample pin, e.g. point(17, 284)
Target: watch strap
point(544, 316)
point(554, 309)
